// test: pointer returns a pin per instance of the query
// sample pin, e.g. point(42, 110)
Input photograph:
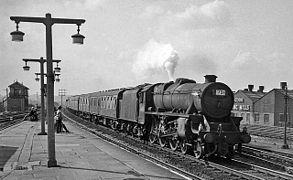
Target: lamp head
point(17, 36)
point(77, 38)
point(26, 68)
point(57, 79)
point(37, 78)
point(57, 69)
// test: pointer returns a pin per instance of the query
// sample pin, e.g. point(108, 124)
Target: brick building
point(244, 104)
point(270, 108)
point(263, 108)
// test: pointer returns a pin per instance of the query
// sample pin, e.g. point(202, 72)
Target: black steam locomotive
point(193, 117)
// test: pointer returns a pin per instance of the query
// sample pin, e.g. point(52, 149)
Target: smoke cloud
point(155, 57)
point(200, 33)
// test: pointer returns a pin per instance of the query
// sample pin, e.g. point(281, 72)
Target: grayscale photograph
point(146, 89)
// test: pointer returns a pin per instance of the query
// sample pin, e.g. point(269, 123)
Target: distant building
point(244, 104)
point(263, 108)
point(270, 108)
point(17, 97)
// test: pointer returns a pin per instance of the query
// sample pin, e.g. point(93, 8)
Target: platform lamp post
point(26, 68)
point(285, 88)
point(17, 35)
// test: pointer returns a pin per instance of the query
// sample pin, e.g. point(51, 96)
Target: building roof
point(289, 92)
point(253, 95)
point(16, 83)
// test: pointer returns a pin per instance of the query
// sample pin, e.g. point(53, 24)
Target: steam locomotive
point(186, 115)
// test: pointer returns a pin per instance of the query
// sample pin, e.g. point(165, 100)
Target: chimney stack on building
point(261, 89)
point(283, 85)
point(250, 87)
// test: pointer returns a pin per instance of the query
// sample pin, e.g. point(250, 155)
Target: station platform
point(79, 154)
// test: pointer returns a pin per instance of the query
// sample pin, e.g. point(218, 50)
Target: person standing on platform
point(33, 114)
point(59, 123)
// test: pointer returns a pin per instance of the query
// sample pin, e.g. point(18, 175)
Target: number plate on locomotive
point(220, 92)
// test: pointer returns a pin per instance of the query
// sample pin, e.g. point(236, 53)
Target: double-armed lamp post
point(17, 35)
point(57, 69)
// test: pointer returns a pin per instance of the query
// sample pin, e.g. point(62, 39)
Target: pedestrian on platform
point(59, 124)
point(33, 114)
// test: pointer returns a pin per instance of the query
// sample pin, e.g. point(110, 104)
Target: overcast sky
point(130, 42)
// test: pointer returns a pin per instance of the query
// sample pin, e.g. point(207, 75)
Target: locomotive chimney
point(260, 89)
point(283, 85)
point(250, 87)
point(210, 78)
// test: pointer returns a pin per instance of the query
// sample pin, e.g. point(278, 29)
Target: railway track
point(278, 160)
point(257, 172)
point(187, 165)
point(11, 120)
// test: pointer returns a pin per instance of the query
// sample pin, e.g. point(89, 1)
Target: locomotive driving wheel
point(153, 133)
point(152, 137)
point(162, 140)
point(162, 132)
point(184, 147)
point(174, 143)
point(198, 150)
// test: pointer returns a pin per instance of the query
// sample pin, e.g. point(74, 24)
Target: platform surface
point(79, 154)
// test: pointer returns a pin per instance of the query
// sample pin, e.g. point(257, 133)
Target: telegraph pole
point(62, 92)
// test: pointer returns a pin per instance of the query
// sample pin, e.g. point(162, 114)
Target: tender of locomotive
point(183, 114)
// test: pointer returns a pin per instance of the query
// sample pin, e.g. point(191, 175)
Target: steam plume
point(153, 57)
point(170, 65)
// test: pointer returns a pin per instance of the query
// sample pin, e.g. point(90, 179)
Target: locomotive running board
point(169, 114)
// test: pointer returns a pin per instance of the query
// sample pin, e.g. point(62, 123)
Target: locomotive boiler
point(196, 116)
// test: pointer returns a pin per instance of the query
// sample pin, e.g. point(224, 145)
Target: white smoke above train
point(191, 34)
point(155, 57)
